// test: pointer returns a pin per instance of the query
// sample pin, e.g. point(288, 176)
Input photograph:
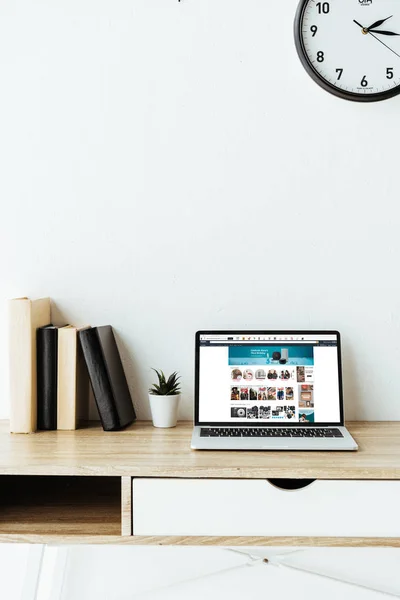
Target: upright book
point(72, 380)
point(25, 316)
point(47, 358)
point(107, 377)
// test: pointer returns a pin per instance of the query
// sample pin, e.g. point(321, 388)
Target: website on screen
point(266, 378)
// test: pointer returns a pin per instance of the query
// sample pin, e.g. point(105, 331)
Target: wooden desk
point(76, 487)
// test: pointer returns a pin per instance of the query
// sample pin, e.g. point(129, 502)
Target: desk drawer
point(255, 507)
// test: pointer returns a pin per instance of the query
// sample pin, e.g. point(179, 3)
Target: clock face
point(351, 47)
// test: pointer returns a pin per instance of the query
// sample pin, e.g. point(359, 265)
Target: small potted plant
point(164, 399)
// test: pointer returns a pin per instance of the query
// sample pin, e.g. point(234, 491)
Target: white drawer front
point(246, 507)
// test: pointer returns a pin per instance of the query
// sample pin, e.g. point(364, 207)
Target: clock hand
point(378, 23)
point(372, 27)
point(383, 32)
point(374, 36)
point(365, 31)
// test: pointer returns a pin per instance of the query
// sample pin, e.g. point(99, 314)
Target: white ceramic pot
point(164, 410)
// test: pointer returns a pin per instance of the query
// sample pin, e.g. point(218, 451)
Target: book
point(47, 349)
point(107, 377)
point(72, 380)
point(25, 316)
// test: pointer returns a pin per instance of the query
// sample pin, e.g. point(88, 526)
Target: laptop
point(269, 390)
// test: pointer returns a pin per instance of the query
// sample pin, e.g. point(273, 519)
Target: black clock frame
point(313, 73)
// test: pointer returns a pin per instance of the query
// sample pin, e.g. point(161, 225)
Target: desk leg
point(45, 571)
point(32, 572)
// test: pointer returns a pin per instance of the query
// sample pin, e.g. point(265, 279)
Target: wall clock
point(351, 48)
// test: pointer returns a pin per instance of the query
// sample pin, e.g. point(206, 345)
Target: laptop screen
point(255, 378)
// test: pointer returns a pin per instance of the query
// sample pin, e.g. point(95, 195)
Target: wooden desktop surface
point(144, 451)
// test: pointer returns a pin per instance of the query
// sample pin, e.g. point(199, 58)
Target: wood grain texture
point(144, 451)
point(74, 506)
point(126, 505)
point(200, 541)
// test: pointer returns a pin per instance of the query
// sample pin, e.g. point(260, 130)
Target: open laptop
point(269, 390)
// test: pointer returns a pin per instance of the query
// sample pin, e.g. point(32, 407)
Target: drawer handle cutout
point(290, 484)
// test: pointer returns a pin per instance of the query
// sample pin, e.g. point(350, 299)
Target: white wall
point(169, 166)
point(122, 572)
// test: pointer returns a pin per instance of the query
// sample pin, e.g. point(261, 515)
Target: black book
point(46, 349)
point(107, 377)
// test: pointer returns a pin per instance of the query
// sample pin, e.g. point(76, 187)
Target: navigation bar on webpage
point(268, 338)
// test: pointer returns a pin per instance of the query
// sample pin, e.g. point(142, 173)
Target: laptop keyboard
point(281, 432)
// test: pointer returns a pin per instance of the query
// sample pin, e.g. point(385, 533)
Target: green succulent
point(166, 387)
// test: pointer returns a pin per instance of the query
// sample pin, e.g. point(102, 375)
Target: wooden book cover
point(25, 317)
point(73, 380)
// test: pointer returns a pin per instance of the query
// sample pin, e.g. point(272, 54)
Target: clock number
point(389, 73)
point(364, 82)
point(340, 71)
point(323, 7)
point(320, 56)
point(314, 30)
